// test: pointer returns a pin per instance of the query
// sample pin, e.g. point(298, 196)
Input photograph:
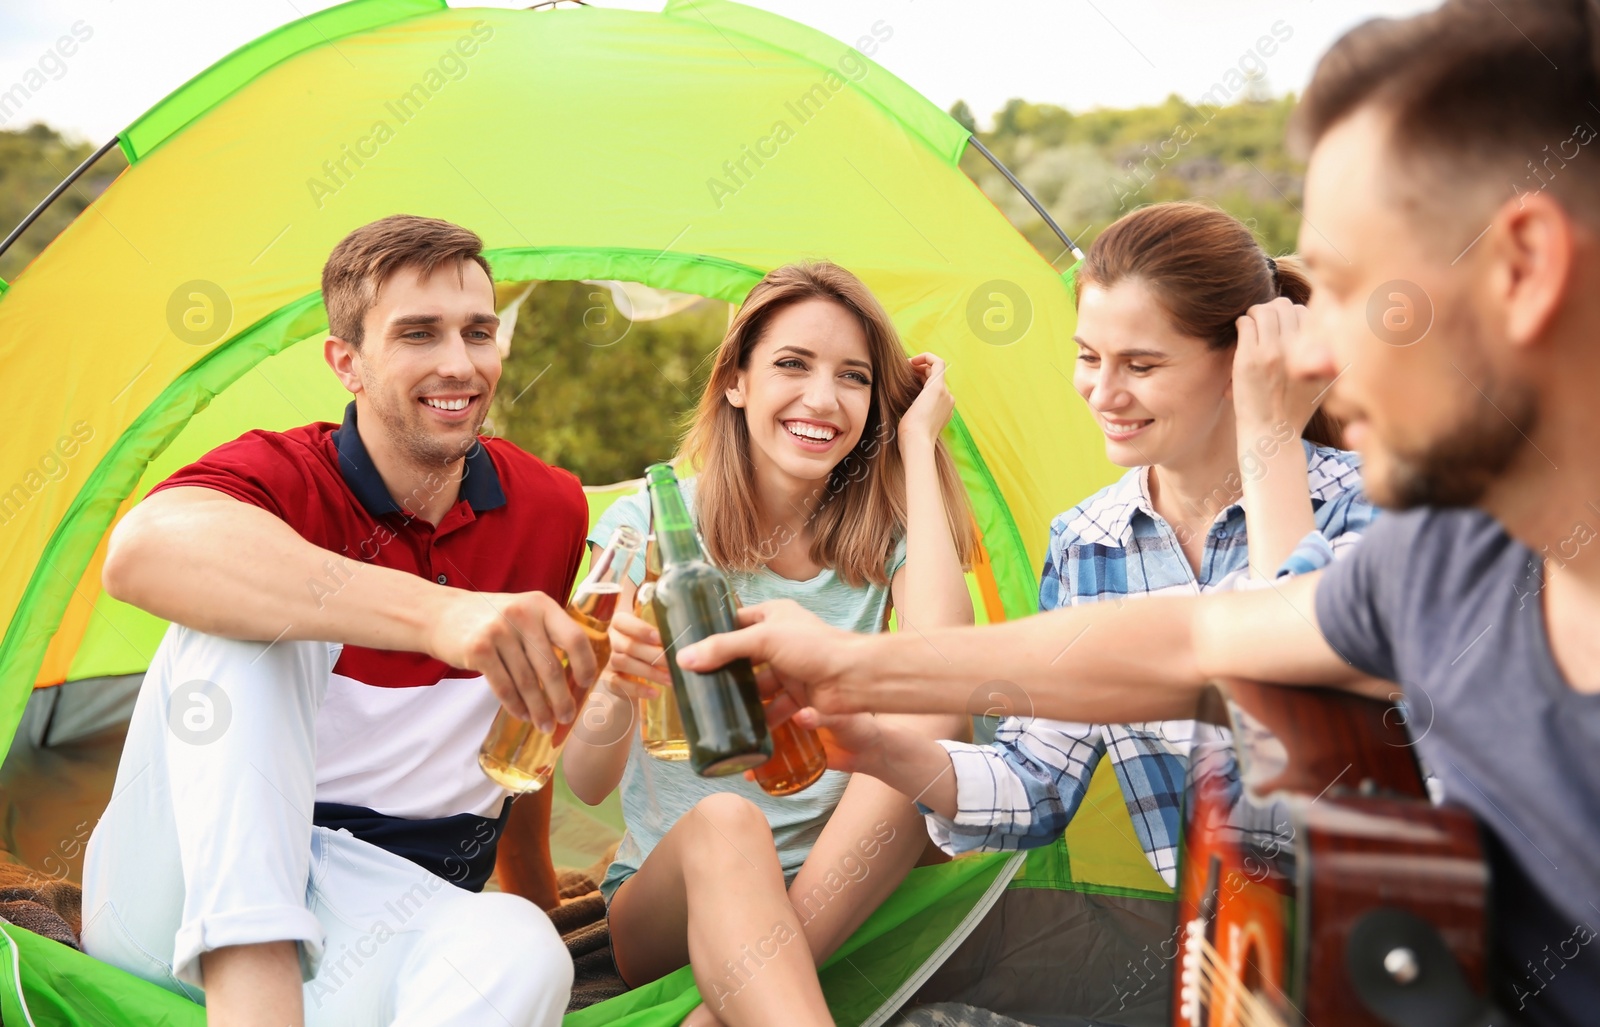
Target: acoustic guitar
point(1317, 884)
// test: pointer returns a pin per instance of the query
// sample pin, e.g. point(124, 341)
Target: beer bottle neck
point(601, 570)
point(675, 534)
point(611, 563)
point(680, 547)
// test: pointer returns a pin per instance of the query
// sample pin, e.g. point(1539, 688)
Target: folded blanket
point(581, 920)
point(40, 903)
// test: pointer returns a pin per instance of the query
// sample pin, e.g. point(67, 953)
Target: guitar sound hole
point(1250, 978)
point(1250, 973)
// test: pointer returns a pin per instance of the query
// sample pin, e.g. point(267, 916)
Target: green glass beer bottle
point(722, 715)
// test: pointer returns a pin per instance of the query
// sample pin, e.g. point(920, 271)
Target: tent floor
point(57, 776)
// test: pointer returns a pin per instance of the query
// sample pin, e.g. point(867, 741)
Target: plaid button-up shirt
point(1022, 790)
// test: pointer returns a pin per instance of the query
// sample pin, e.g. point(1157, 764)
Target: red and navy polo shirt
point(398, 733)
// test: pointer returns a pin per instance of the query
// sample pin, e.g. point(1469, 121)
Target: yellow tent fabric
point(692, 149)
point(581, 144)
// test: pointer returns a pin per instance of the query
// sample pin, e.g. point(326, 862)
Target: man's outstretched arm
point(1101, 662)
point(205, 560)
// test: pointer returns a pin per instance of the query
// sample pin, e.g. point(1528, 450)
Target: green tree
point(586, 389)
point(33, 161)
point(963, 114)
point(1090, 168)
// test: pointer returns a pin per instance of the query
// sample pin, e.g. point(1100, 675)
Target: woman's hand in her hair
point(635, 652)
point(930, 411)
point(1265, 396)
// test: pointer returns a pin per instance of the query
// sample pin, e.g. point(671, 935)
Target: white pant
point(208, 842)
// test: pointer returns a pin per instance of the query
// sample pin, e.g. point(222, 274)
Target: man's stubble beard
point(1459, 468)
point(410, 436)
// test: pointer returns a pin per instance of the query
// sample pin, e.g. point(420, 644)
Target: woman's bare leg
point(711, 894)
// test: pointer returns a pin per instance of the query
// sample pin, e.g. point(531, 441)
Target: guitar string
point(1215, 977)
point(1215, 984)
point(1254, 1012)
point(1250, 1010)
point(1242, 1014)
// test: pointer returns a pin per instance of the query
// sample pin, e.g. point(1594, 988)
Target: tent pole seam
point(952, 941)
point(16, 975)
point(1035, 204)
point(194, 84)
point(952, 159)
point(55, 194)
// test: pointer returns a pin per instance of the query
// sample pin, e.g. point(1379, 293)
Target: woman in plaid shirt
point(1182, 324)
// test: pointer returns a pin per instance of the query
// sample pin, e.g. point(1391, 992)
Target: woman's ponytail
point(1290, 277)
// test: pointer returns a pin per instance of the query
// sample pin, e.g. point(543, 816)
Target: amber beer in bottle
point(517, 755)
point(798, 758)
point(721, 709)
point(660, 727)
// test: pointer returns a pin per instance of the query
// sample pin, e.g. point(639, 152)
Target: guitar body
point(1306, 816)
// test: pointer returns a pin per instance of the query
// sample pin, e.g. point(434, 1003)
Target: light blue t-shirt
point(655, 793)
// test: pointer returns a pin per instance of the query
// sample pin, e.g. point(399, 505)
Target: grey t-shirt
point(1448, 605)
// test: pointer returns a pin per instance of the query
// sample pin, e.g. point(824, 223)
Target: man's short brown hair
point(369, 256)
point(1480, 89)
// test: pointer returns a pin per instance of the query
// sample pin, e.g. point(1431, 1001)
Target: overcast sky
point(1076, 53)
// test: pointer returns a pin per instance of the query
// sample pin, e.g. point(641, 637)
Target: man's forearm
point(1101, 662)
point(227, 568)
point(1034, 667)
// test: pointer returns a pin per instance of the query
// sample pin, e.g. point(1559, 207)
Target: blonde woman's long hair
point(862, 508)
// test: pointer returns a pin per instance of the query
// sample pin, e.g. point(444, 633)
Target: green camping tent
point(687, 150)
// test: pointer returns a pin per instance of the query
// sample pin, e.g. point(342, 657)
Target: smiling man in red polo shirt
point(299, 825)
